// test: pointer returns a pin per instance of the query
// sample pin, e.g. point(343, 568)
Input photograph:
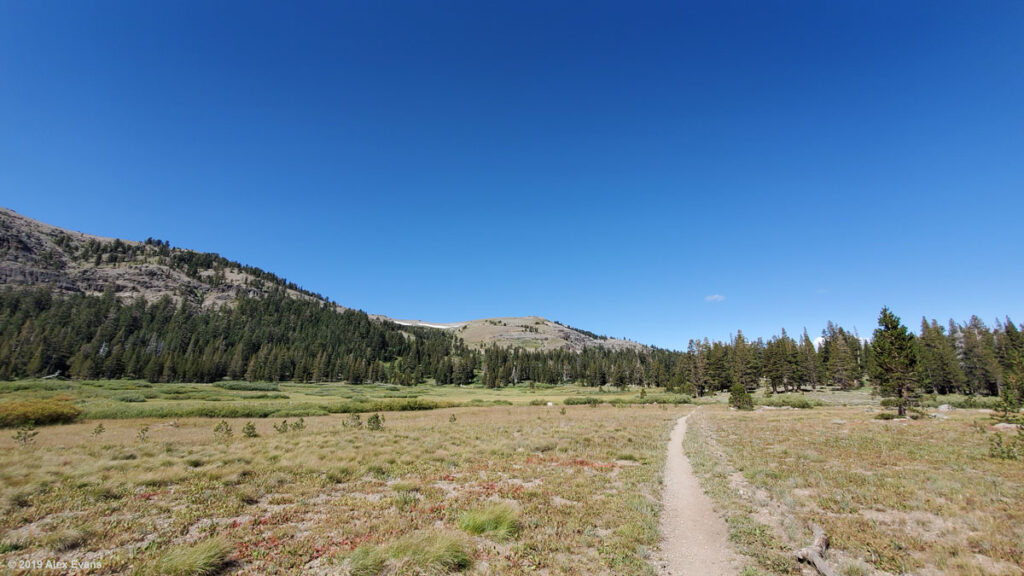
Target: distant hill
point(33, 253)
point(529, 332)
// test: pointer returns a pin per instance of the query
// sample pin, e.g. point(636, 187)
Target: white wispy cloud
point(714, 298)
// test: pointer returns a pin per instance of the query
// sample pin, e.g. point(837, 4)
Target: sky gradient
point(657, 171)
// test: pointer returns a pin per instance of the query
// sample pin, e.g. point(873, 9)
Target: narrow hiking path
point(695, 540)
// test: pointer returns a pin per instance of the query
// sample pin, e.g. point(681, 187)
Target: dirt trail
point(694, 538)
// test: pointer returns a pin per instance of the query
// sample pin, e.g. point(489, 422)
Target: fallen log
point(54, 375)
point(815, 553)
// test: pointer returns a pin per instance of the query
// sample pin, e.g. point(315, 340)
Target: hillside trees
point(273, 338)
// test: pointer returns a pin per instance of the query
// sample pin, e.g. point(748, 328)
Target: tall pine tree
point(894, 367)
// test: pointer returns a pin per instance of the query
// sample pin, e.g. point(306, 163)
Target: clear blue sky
point(609, 165)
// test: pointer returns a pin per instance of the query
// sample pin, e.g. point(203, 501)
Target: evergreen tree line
point(275, 338)
point(968, 358)
point(280, 338)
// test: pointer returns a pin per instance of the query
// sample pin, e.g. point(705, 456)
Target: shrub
point(249, 386)
point(452, 419)
point(577, 401)
point(739, 398)
point(143, 434)
point(37, 412)
point(249, 430)
point(790, 400)
point(298, 425)
point(130, 397)
point(282, 427)
point(25, 435)
point(98, 430)
point(223, 430)
point(497, 520)
point(199, 559)
point(375, 422)
point(653, 399)
point(1013, 449)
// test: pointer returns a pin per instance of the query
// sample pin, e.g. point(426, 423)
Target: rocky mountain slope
point(33, 253)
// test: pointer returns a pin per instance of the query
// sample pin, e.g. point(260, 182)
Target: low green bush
point(130, 397)
point(251, 386)
point(578, 401)
point(37, 412)
point(788, 400)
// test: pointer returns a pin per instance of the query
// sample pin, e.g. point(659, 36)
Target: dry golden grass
point(920, 497)
point(580, 488)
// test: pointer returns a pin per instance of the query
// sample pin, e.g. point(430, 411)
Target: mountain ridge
point(34, 253)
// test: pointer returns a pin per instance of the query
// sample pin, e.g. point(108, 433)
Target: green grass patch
point(798, 401)
point(430, 552)
point(200, 559)
point(499, 521)
point(249, 386)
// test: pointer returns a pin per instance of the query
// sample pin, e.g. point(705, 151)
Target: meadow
point(918, 496)
point(261, 478)
point(103, 399)
point(489, 490)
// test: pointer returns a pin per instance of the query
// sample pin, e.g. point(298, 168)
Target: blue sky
point(608, 165)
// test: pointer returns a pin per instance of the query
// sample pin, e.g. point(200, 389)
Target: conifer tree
point(937, 363)
point(894, 368)
point(808, 369)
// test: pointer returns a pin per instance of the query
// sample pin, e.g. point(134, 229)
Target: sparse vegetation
point(367, 501)
point(906, 496)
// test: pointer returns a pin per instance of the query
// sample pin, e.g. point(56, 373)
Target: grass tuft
point(366, 561)
point(431, 553)
point(200, 559)
point(497, 520)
